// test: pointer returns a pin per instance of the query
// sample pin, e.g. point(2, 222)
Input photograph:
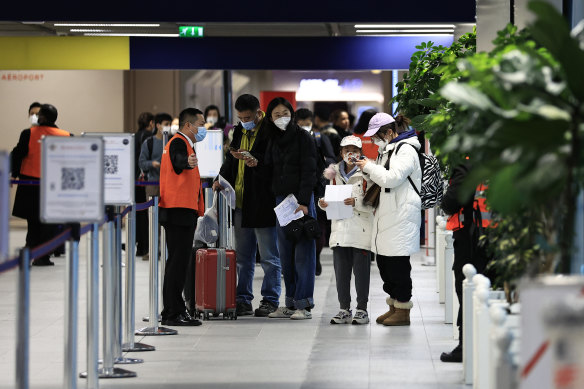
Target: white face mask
point(350, 158)
point(34, 119)
point(307, 128)
point(282, 122)
point(167, 129)
point(174, 129)
point(380, 143)
point(212, 120)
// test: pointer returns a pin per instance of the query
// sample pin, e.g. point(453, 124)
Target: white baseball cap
point(351, 140)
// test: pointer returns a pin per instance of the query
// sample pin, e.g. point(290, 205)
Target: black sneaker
point(265, 309)
point(453, 356)
point(244, 309)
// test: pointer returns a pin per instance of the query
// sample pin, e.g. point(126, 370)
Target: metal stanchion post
point(92, 374)
point(108, 370)
point(130, 344)
point(72, 283)
point(151, 246)
point(23, 322)
point(162, 250)
point(119, 358)
point(153, 328)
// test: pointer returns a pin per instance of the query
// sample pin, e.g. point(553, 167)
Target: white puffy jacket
point(355, 231)
point(396, 226)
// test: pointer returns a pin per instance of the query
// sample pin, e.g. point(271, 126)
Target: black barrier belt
point(37, 182)
point(58, 240)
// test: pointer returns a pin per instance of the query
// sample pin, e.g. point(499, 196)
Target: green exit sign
point(190, 32)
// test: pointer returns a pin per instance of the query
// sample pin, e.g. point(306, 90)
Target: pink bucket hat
point(378, 120)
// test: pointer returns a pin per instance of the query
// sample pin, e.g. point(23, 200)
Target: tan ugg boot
point(401, 317)
point(387, 314)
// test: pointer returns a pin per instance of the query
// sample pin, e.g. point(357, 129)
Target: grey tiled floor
point(249, 352)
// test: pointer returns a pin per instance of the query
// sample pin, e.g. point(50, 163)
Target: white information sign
point(72, 179)
point(210, 154)
point(335, 196)
point(4, 203)
point(118, 167)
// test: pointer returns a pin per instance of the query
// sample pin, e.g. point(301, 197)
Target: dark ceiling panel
point(244, 11)
point(299, 53)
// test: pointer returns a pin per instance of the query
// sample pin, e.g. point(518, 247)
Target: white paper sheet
point(227, 191)
point(285, 210)
point(335, 196)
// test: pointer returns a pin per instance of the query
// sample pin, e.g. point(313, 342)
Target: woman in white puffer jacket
point(350, 238)
point(396, 226)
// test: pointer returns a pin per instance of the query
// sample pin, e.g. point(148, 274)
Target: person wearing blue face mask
point(254, 217)
point(181, 202)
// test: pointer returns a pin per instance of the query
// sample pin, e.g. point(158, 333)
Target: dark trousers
point(179, 240)
point(142, 239)
point(39, 233)
point(396, 275)
point(347, 260)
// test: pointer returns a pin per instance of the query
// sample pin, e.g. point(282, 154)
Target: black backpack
point(432, 183)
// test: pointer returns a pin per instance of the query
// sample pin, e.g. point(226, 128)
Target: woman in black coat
point(292, 156)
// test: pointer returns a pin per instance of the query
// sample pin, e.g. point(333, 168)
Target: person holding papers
point(396, 225)
point(350, 236)
point(292, 155)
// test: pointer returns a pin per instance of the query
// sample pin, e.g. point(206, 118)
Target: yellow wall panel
point(64, 53)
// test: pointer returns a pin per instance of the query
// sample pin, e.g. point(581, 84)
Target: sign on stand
point(210, 154)
point(72, 180)
point(4, 204)
point(118, 167)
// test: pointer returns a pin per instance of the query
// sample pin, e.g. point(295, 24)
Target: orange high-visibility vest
point(180, 190)
point(456, 221)
point(31, 164)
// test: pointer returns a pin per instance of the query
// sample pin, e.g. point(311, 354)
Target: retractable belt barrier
point(112, 304)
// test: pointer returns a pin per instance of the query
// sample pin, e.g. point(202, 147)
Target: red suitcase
point(215, 279)
point(215, 273)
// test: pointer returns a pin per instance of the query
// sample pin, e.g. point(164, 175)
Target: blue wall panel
point(319, 53)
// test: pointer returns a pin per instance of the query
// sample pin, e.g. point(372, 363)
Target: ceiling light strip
point(88, 30)
point(107, 24)
point(130, 34)
point(407, 31)
point(404, 34)
point(404, 26)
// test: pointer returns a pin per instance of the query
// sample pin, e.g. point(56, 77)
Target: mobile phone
point(247, 154)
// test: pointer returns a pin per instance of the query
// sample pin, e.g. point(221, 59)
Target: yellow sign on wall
point(64, 53)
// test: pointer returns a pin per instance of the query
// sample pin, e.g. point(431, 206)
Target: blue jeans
point(247, 240)
point(298, 265)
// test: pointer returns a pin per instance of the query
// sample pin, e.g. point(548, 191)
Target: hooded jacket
point(396, 225)
point(355, 231)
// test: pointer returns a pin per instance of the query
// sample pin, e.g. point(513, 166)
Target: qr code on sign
point(111, 164)
point(72, 178)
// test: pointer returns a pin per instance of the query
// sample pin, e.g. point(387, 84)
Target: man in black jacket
point(145, 131)
point(254, 218)
point(465, 250)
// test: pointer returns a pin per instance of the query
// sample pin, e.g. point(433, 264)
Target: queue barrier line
point(60, 239)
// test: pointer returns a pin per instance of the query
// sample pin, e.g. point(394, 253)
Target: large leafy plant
point(528, 97)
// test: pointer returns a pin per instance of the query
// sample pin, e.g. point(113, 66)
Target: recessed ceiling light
point(88, 30)
point(107, 25)
point(130, 34)
point(407, 31)
point(404, 26)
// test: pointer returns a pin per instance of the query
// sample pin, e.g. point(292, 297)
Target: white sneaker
point(343, 317)
point(281, 313)
point(301, 314)
point(361, 317)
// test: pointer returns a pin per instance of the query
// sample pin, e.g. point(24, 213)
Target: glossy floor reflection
point(247, 353)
